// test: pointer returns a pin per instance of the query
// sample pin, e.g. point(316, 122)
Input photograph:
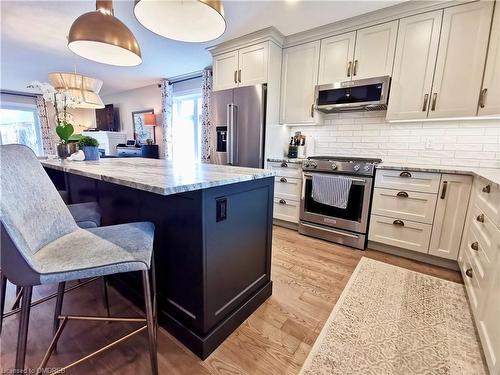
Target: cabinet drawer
point(487, 197)
point(407, 235)
point(470, 282)
point(484, 232)
point(406, 205)
point(285, 169)
point(286, 209)
point(423, 182)
point(287, 187)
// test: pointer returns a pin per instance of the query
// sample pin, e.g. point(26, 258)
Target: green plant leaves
point(64, 130)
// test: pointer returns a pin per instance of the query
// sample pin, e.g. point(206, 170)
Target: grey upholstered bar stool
point(86, 215)
point(41, 244)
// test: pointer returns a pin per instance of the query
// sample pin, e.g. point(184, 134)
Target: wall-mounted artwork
point(142, 132)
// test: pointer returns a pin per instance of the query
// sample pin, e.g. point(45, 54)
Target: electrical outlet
point(428, 144)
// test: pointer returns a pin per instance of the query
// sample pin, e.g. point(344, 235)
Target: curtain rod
point(185, 79)
point(8, 92)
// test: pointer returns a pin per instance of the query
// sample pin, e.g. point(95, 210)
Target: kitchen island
point(213, 236)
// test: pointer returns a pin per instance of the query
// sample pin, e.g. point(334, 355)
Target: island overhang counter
point(213, 236)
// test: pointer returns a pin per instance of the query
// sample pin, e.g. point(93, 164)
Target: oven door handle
point(304, 175)
point(303, 191)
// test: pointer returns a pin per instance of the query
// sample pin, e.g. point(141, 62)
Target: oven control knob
point(356, 167)
point(305, 164)
point(366, 168)
point(313, 165)
point(334, 166)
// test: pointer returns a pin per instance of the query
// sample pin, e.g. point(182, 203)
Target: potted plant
point(90, 148)
point(62, 100)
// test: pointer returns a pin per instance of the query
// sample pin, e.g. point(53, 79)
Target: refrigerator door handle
point(234, 117)
point(230, 135)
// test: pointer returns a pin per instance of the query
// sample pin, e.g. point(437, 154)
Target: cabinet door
point(253, 64)
point(374, 53)
point(460, 61)
point(489, 103)
point(449, 218)
point(225, 71)
point(416, 52)
point(336, 58)
point(299, 77)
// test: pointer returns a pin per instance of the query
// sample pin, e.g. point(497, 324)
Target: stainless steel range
point(347, 226)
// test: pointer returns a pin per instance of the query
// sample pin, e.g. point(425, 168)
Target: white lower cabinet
point(479, 261)
point(450, 215)
point(420, 211)
point(287, 190)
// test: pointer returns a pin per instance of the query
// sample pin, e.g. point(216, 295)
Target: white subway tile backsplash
point(462, 142)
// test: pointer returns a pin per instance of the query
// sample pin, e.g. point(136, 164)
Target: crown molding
point(391, 13)
point(268, 34)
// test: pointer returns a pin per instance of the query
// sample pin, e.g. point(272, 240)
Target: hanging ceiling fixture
point(184, 20)
point(101, 37)
point(85, 89)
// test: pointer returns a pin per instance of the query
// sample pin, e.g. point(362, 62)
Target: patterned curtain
point(206, 92)
point(48, 134)
point(166, 111)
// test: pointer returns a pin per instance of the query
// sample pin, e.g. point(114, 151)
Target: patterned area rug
point(390, 320)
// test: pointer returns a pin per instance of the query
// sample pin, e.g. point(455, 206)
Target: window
point(20, 124)
point(186, 127)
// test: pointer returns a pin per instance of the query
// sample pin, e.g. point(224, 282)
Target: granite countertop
point(158, 176)
point(287, 160)
point(490, 174)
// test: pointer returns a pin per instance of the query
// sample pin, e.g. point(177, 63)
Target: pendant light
point(85, 89)
point(184, 20)
point(101, 37)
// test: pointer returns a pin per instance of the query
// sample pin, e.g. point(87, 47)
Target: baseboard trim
point(286, 224)
point(425, 258)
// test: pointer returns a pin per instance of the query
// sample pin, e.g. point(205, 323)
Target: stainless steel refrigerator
point(238, 126)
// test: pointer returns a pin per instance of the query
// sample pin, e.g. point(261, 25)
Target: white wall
point(366, 134)
point(147, 97)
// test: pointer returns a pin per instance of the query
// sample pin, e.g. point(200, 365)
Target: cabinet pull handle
point(443, 192)
point(468, 272)
point(235, 76)
point(482, 98)
point(426, 99)
point(487, 189)
point(239, 76)
point(480, 218)
point(312, 110)
point(355, 68)
point(402, 194)
point(284, 165)
point(349, 66)
point(283, 179)
point(405, 174)
point(474, 246)
point(398, 222)
point(434, 99)
point(282, 201)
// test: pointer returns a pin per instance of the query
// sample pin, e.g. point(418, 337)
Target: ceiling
point(33, 38)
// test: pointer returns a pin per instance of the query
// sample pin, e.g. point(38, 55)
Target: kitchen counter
point(490, 174)
point(213, 237)
point(158, 176)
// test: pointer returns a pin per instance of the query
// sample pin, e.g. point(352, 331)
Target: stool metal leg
point(19, 294)
point(22, 337)
point(58, 309)
point(3, 289)
point(150, 322)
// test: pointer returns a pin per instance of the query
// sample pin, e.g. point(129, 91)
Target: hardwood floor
point(309, 276)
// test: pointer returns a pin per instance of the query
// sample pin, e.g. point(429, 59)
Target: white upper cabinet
point(374, 52)
point(243, 67)
point(461, 59)
point(253, 65)
point(299, 78)
point(416, 52)
point(336, 58)
point(225, 74)
point(489, 102)
point(449, 218)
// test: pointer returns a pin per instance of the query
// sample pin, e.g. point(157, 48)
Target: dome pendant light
point(101, 37)
point(184, 20)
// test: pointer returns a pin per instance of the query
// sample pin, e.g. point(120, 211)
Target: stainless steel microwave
point(358, 95)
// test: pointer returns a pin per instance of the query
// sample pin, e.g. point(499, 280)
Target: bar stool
point(42, 244)
point(86, 215)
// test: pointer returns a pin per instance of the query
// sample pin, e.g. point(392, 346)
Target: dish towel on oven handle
point(331, 190)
